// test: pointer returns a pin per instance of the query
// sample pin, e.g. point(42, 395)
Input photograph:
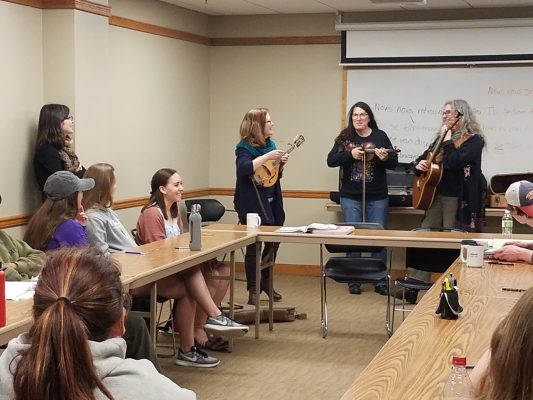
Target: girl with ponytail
point(74, 350)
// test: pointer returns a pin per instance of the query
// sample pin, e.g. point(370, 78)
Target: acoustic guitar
point(425, 185)
point(267, 174)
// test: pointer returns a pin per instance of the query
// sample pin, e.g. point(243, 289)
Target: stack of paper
point(20, 290)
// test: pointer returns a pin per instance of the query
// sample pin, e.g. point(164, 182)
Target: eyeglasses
point(269, 122)
point(362, 116)
point(70, 117)
point(447, 112)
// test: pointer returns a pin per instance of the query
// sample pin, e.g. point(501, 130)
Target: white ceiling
point(252, 7)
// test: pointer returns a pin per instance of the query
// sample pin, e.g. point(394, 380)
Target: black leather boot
point(276, 296)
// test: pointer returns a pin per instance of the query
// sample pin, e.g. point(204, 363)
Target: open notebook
point(317, 228)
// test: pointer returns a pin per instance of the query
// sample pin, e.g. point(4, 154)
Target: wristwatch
point(2, 266)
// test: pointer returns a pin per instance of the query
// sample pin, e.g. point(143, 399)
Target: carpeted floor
point(294, 361)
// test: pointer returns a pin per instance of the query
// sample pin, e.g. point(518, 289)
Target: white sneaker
point(225, 326)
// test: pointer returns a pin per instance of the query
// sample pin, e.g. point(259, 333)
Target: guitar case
point(499, 184)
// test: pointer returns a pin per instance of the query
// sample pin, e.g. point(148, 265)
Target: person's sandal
point(213, 344)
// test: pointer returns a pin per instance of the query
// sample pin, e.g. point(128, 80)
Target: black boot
point(276, 297)
point(252, 298)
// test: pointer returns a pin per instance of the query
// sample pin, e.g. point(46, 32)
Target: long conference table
point(159, 260)
point(415, 361)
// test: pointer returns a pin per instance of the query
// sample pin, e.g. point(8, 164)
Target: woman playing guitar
point(458, 200)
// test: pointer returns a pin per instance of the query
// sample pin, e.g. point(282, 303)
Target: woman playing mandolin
point(255, 149)
point(363, 152)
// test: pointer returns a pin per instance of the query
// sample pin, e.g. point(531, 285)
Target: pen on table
point(134, 252)
point(182, 248)
point(508, 289)
point(500, 263)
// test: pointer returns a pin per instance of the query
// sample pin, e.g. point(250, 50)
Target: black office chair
point(351, 269)
point(423, 259)
point(211, 210)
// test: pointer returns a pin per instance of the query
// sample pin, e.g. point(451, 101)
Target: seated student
point(18, 260)
point(160, 219)
point(105, 231)
point(519, 198)
point(74, 349)
point(60, 220)
point(59, 223)
point(506, 370)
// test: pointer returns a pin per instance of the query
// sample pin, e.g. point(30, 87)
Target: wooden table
point(161, 259)
point(386, 238)
point(415, 363)
point(18, 319)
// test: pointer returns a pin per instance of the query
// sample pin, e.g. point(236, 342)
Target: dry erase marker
point(134, 252)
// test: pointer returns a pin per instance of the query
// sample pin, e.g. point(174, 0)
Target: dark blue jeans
point(375, 211)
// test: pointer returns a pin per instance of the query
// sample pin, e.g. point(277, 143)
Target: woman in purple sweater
point(60, 220)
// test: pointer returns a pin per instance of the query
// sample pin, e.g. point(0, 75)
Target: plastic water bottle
point(459, 385)
point(507, 224)
point(195, 228)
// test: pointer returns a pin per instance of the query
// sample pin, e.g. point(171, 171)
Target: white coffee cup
point(253, 220)
point(472, 255)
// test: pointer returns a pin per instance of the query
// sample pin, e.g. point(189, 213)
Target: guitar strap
point(258, 197)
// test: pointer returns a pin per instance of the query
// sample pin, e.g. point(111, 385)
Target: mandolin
point(425, 185)
point(267, 174)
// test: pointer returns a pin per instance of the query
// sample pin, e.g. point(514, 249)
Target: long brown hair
point(510, 372)
point(77, 298)
point(253, 127)
point(100, 196)
point(159, 179)
point(49, 128)
point(47, 218)
point(349, 131)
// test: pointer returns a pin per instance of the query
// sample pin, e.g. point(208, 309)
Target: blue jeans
point(375, 211)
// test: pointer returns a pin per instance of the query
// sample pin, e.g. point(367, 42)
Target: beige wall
point(21, 92)
point(143, 101)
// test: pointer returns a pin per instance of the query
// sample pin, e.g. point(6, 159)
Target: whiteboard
point(407, 104)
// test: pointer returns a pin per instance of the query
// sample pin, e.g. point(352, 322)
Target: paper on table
point(308, 228)
point(19, 290)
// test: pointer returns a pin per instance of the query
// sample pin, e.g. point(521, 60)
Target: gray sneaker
point(196, 358)
point(225, 326)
